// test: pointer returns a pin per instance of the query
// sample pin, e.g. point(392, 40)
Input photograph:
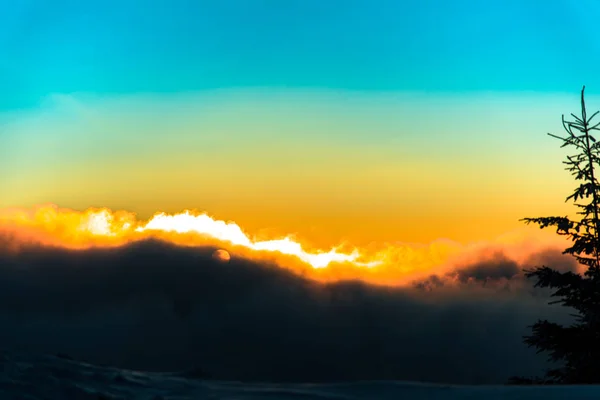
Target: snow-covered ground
point(48, 377)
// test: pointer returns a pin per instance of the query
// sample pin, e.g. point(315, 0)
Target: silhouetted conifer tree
point(576, 347)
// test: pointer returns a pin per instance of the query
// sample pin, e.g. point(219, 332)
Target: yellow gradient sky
point(326, 165)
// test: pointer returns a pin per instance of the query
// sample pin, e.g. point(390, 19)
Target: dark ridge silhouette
point(158, 307)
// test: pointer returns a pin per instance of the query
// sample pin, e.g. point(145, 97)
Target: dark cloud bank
point(155, 306)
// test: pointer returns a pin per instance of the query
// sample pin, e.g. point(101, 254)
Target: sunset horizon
point(283, 198)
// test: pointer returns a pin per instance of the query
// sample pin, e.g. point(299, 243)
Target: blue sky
point(125, 46)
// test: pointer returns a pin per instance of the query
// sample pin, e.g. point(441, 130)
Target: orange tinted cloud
point(382, 263)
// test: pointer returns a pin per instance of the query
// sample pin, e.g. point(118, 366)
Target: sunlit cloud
point(383, 263)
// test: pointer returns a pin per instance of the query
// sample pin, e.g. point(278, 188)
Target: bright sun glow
point(385, 263)
point(103, 227)
point(230, 232)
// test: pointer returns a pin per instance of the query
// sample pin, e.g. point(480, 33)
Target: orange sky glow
point(382, 262)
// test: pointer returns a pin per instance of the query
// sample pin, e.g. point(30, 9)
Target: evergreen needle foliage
point(576, 347)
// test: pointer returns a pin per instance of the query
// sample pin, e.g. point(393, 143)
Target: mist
point(155, 306)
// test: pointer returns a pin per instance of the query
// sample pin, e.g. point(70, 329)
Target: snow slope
point(49, 377)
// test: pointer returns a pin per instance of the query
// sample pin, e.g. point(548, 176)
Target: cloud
point(152, 305)
point(497, 270)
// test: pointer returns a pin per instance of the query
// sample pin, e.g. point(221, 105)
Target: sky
point(340, 120)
